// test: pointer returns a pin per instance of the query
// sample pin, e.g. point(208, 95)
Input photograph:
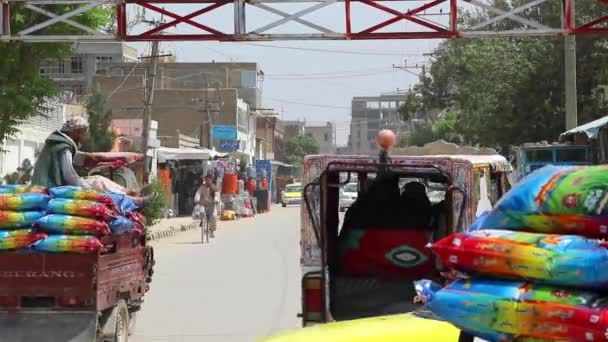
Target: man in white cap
point(54, 166)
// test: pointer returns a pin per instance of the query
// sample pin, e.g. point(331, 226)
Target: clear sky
point(302, 82)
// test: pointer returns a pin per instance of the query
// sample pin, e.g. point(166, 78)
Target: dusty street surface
point(243, 285)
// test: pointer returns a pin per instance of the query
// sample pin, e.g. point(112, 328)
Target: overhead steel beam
point(443, 25)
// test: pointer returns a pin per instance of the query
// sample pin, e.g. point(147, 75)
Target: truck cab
point(362, 264)
point(531, 157)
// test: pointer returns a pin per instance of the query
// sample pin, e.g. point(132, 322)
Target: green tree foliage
point(505, 91)
point(299, 146)
point(156, 209)
point(23, 91)
point(101, 135)
point(426, 132)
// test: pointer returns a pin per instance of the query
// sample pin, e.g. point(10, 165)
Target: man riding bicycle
point(205, 197)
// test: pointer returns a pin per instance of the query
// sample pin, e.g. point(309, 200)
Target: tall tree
point(299, 146)
point(511, 90)
point(23, 91)
point(101, 135)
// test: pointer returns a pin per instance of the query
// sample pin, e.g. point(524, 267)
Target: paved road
point(242, 286)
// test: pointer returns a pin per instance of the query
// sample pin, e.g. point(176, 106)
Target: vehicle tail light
point(312, 301)
point(71, 301)
point(9, 301)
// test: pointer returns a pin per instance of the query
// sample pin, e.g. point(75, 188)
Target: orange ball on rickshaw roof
point(386, 139)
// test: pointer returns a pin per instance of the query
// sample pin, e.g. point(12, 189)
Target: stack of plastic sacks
point(20, 207)
point(78, 219)
point(532, 268)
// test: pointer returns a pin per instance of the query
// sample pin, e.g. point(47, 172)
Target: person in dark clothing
point(55, 164)
point(417, 208)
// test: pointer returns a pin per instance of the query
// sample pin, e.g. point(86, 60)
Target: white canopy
point(184, 153)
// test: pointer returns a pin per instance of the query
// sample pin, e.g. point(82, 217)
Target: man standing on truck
point(205, 197)
point(55, 164)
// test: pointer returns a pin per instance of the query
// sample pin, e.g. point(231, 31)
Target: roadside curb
point(171, 231)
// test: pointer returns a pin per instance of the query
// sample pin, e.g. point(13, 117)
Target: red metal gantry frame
point(427, 28)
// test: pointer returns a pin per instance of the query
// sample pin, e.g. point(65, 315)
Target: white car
point(348, 195)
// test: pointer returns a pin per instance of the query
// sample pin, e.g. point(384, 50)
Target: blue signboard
point(224, 132)
point(267, 171)
point(229, 145)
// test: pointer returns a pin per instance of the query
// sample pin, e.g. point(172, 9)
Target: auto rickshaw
point(363, 265)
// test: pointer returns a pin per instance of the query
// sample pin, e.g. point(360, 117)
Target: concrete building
point(293, 128)
point(324, 135)
point(75, 74)
point(370, 114)
point(270, 139)
point(182, 96)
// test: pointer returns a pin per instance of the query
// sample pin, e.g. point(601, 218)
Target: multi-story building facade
point(76, 74)
point(325, 136)
point(370, 114)
point(293, 128)
point(189, 98)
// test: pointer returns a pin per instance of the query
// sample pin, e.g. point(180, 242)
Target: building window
point(76, 65)
point(52, 67)
point(103, 59)
point(372, 105)
point(326, 136)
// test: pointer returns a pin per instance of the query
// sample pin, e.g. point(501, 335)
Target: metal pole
point(570, 79)
point(570, 71)
point(151, 81)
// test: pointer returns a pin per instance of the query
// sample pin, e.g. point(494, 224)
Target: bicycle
point(204, 229)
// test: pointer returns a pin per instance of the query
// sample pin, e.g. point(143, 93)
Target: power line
point(336, 51)
point(356, 71)
point(305, 104)
point(329, 76)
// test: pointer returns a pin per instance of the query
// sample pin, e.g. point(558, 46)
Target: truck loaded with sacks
point(74, 264)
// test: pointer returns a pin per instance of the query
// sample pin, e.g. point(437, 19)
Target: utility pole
point(150, 84)
point(405, 67)
point(209, 108)
point(570, 77)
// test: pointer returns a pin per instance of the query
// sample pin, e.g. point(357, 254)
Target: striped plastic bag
point(72, 225)
point(81, 208)
point(20, 238)
point(68, 244)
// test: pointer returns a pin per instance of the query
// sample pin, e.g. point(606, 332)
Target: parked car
point(292, 194)
point(348, 195)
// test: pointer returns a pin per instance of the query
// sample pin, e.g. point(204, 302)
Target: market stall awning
point(591, 129)
point(278, 163)
point(184, 153)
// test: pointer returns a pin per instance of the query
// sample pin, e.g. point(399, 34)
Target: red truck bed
point(45, 293)
point(92, 280)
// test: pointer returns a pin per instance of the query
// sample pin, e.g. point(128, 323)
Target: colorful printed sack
point(21, 189)
point(502, 310)
point(81, 208)
point(567, 260)
point(18, 219)
point(557, 200)
point(72, 225)
point(68, 244)
point(76, 192)
point(16, 239)
point(24, 201)
point(121, 225)
point(123, 203)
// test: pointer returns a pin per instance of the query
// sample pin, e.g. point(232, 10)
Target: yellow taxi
point(292, 194)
